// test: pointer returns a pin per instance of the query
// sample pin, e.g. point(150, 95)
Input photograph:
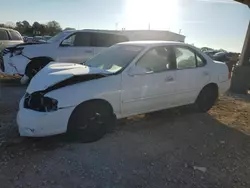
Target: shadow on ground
point(173, 148)
point(156, 150)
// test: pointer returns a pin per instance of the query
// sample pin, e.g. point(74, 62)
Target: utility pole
point(241, 74)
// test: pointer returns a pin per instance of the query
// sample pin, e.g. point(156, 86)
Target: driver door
point(155, 88)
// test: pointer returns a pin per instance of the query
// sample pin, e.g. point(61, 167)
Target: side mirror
point(136, 70)
point(65, 44)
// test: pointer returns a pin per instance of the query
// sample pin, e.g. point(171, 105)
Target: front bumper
point(15, 64)
point(40, 124)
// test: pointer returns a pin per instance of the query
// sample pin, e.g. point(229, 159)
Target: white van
point(67, 46)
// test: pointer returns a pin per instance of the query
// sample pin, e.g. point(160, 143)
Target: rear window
point(3, 35)
point(106, 39)
point(14, 35)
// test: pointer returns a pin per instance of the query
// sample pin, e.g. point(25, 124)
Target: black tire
point(207, 98)
point(1, 63)
point(35, 66)
point(90, 121)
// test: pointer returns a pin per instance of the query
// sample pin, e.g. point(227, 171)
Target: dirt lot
point(174, 148)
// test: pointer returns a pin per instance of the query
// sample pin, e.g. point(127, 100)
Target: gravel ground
point(9, 99)
point(173, 148)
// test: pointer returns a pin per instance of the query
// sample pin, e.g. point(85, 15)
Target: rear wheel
point(207, 98)
point(89, 122)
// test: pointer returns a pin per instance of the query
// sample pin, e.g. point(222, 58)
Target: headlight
point(36, 101)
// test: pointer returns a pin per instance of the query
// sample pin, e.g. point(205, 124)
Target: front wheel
point(207, 98)
point(90, 122)
point(35, 66)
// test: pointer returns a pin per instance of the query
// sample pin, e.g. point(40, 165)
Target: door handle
point(169, 79)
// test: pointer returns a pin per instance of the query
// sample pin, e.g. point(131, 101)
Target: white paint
point(53, 49)
point(56, 72)
point(130, 92)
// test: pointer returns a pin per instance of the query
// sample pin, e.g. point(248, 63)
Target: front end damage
point(13, 61)
point(40, 114)
point(38, 102)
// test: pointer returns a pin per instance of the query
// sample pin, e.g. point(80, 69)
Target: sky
point(212, 23)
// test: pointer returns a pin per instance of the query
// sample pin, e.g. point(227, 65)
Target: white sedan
point(126, 79)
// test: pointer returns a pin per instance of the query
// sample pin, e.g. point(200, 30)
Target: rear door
point(76, 48)
point(191, 76)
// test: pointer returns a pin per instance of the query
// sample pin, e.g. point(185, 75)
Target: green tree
point(69, 28)
point(53, 27)
point(36, 28)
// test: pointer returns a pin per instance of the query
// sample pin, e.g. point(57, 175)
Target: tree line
point(25, 28)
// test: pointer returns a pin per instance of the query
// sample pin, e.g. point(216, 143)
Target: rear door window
point(82, 39)
point(14, 35)
point(106, 39)
point(3, 35)
point(188, 59)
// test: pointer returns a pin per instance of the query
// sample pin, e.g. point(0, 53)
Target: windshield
point(115, 58)
point(57, 37)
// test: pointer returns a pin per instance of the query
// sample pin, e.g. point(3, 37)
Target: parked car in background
point(67, 46)
point(28, 39)
point(46, 37)
point(24, 38)
point(37, 38)
point(221, 56)
point(210, 53)
point(126, 79)
point(9, 37)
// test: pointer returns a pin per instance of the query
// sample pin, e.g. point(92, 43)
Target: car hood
point(55, 73)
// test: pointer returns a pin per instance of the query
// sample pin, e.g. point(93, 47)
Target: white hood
point(56, 72)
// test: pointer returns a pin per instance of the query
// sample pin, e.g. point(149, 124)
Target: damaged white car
point(126, 79)
point(74, 46)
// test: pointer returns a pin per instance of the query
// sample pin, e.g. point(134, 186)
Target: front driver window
point(69, 41)
point(158, 59)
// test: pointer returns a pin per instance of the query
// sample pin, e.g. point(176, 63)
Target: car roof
point(7, 29)
point(153, 43)
point(93, 31)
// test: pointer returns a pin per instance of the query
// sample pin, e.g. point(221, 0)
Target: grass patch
point(7, 79)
